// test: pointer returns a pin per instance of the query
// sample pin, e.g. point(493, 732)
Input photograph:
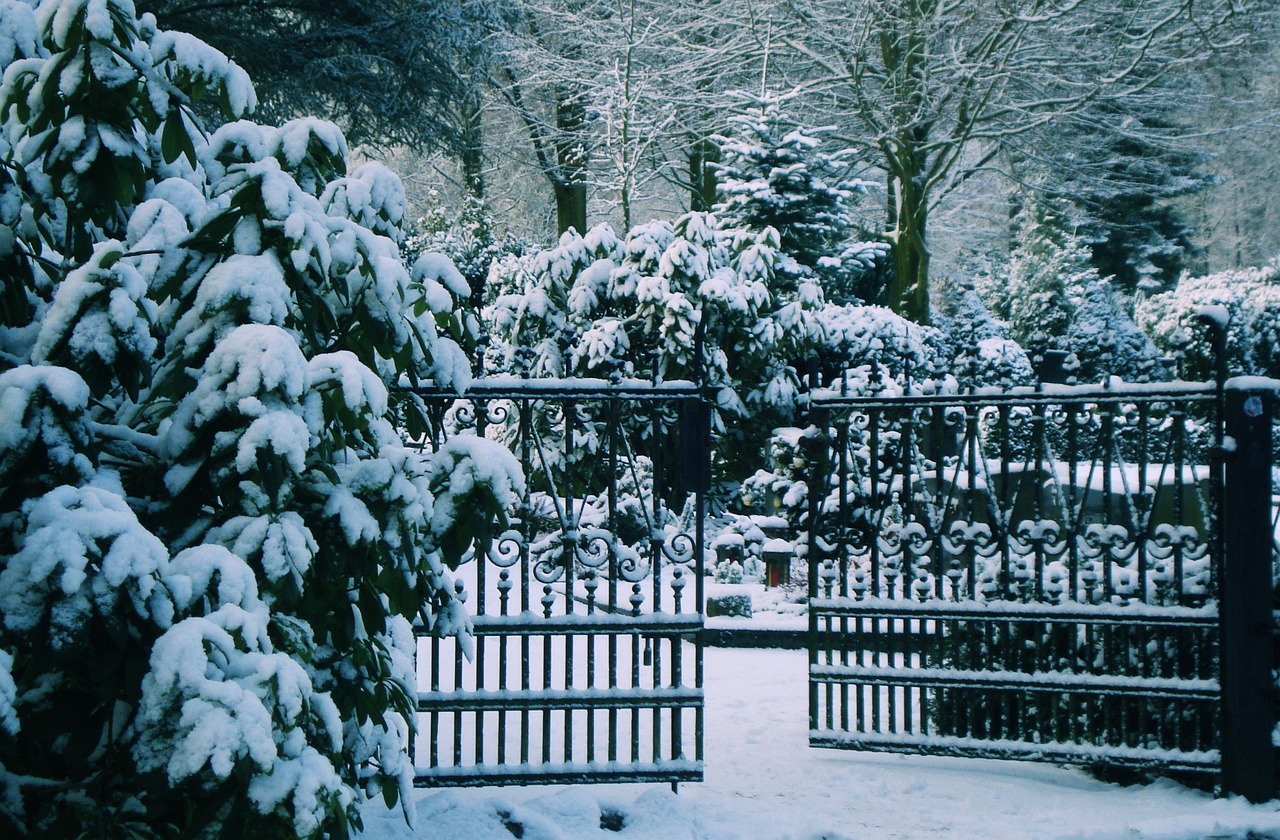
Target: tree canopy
point(388, 72)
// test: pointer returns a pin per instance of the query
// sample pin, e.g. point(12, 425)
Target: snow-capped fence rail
point(583, 660)
point(1076, 574)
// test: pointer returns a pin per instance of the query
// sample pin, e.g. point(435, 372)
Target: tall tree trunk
point(702, 175)
point(908, 234)
point(473, 145)
point(904, 51)
point(570, 181)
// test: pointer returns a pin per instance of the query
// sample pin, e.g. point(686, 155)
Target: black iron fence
point(584, 661)
point(1048, 569)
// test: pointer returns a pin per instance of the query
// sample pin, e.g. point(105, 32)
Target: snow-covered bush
point(862, 339)
point(599, 306)
point(469, 238)
point(982, 353)
point(779, 487)
point(999, 362)
point(212, 538)
point(1251, 297)
point(602, 307)
point(1050, 296)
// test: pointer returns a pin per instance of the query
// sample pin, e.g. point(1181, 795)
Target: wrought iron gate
point(586, 610)
point(1036, 575)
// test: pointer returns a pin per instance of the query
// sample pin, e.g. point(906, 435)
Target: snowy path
point(764, 783)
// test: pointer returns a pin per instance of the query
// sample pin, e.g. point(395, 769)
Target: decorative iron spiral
point(679, 548)
point(506, 549)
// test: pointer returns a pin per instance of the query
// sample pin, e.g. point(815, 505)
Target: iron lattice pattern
point(584, 663)
point(1018, 575)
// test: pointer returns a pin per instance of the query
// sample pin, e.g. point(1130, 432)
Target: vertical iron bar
point(1144, 504)
point(1040, 443)
point(433, 725)
point(842, 555)
point(1005, 507)
point(1074, 514)
point(548, 653)
point(1179, 516)
point(569, 558)
point(1107, 443)
point(457, 715)
point(704, 416)
point(526, 527)
point(612, 442)
point(877, 501)
point(635, 686)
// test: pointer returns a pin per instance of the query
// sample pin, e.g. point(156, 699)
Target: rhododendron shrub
point(213, 538)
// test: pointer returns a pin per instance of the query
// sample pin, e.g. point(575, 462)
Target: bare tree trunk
point(702, 175)
point(908, 235)
point(473, 146)
point(567, 170)
point(570, 181)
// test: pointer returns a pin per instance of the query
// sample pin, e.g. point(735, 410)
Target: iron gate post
point(1245, 615)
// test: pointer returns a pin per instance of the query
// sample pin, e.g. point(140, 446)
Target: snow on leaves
point(1251, 298)
point(218, 696)
point(44, 431)
point(81, 552)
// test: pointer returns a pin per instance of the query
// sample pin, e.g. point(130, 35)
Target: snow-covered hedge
point(1251, 298)
point(212, 538)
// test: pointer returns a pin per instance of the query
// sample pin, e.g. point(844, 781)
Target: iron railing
point(1024, 574)
point(584, 661)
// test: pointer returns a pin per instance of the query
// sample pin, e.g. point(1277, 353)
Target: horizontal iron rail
point(513, 387)
point(1062, 681)
point(480, 775)
point(604, 624)
point(1057, 751)
point(1051, 395)
point(1143, 614)
point(557, 699)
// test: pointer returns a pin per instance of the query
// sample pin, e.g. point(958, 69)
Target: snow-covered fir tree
point(1119, 169)
point(982, 352)
point(1107, 342)
point(1036, 290)
point(774, 172)
point(213, 539)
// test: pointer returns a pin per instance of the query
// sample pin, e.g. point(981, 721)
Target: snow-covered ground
point(764, 783)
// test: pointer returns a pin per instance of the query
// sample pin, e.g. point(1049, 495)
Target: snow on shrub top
point(1250, 300)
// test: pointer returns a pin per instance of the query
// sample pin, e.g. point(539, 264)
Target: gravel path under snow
point(764, 783)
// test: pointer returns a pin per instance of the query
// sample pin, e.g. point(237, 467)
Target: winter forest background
point(1024, 151)
point(213, 534)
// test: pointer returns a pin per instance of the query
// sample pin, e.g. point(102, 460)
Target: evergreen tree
point(212, 537)
point(1107, 341)
point(389, 73)
point(1047, 272)
point(1118, 173)
point(599, 306)
point(774, 172)
point(1251, 300)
